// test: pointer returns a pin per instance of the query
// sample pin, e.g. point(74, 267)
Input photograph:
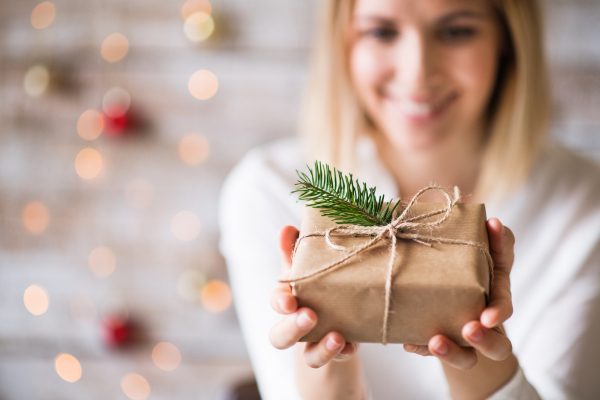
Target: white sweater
point(555, 329)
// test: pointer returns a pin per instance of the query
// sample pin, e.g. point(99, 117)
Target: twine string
point(399, 228)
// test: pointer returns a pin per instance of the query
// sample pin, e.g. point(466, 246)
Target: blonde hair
point(332, 119)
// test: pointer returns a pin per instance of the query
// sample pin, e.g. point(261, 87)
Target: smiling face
point(425, 70)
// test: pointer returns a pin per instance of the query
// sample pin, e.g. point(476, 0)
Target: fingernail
point(442, 348)
point(476, 336)
point(503, 231)
point(332, 345)
point(304, 322)
point(410, 347)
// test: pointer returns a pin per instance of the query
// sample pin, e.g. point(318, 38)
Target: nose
point(416, 63)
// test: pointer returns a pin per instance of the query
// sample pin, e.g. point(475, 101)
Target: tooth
point(419, 109)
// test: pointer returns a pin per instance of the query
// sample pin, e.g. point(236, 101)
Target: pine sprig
point(341, 199)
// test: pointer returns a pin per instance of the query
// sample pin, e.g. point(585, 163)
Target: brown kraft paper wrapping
point(435, 290)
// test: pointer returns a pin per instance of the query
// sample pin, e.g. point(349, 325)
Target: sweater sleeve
point(517, 388)
point(252, 210)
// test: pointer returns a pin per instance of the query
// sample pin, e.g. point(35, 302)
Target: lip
point(421, 111)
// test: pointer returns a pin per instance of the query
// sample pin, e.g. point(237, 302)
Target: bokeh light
point(190, 284)
point(194, 6)
point(166, 356)
point(193, 148)
point(36, 299)
point(135, 386)
point(102, 261)
point(83, 310)
point(36, 217)
point(198, 26)
point(67, 367)
point(203, 84)
point(139, 194)
point(114, 47)
point(36, 80)
point(216, 296)
point(185, 225)
point(42, 15)
point(88, 163)
point(116, 102)
point(90, 125)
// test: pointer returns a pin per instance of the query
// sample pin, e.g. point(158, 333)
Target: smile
point(422, 111)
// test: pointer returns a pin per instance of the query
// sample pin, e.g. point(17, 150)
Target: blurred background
point(119, 120)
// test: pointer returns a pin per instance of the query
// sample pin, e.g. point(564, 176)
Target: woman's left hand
point(487, 335)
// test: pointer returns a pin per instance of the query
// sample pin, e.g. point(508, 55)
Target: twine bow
point(399, 228)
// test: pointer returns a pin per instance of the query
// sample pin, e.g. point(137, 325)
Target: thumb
point(287, 240)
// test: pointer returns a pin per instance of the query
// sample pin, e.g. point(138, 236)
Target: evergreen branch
point(341, 199)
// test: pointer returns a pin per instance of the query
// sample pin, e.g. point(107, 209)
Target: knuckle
point(342, 357)
point(470, 364)
point(313, 365)
point(502, 351)
point(313, 360)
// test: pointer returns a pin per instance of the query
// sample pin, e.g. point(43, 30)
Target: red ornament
point(114, 330)
point(115, 121)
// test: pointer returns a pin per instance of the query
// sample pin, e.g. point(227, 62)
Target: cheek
point(476, 71)
point(369, 71)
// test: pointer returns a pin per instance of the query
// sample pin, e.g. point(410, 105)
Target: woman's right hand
point(297, 322)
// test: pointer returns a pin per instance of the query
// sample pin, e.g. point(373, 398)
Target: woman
point(404, 93)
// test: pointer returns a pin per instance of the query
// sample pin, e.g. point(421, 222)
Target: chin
point(409, 138)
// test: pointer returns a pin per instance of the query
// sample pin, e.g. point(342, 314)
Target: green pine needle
point(341, 199)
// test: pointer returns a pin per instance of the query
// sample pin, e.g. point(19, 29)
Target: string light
point(42, 15)
point(198, 26)
point(185, 225)
point(216, 296)
point(36, 217)
point(102, 261)
point(166, 356)
point(139, 194)
point(135, 386)
point(88, 163)
point(67, 367)
point(83, 310)
point(90, 125)
point(36, 81)
point(193, 6)
point(193, 148)
point(114, 47)
point(203, 84)
point(36, 299)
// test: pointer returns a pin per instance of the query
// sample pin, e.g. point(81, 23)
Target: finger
point(318, 354)
point(349, 351)
point(501, 248)
point(500, 306)
point(502, 243)
point(489, 342)
point(287, 240)
point(449, 352)
point(292, 327)
point(421, 350)
point(282, 300)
